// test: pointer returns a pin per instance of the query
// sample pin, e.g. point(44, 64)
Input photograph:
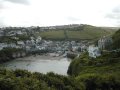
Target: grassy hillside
point(116, 40)
point(105, 64)
point(102, 73)
point(81, 32)
point(53, 35)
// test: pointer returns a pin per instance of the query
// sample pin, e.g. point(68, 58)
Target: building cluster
point(12, 31)
point(37, 44)
point(94, 51)
point(104, 43)
point(55, 48)
point(15, 31)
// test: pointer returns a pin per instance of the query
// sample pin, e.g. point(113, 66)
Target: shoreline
point(38, 57)
point(39, 63)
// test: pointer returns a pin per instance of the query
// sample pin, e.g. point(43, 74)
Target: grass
point(105, 69)
point(86, 33)
point(79, 35)
point(107, 63)
point(53, 34)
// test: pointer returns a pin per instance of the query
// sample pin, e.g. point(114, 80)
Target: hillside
point(116, 39)
point(101, 73)
point(108, 63)
point(85, 73)
point(77, 33)
point(24, 80)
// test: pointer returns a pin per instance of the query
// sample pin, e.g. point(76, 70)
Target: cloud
point(70, 18)
point(116, 10)
point(114, 14)
point(6, 3)
point(2, 22)
point(26, 2)
point(57, 12)
point(1, 6)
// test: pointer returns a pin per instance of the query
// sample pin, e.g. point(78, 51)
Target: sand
point(40, 57)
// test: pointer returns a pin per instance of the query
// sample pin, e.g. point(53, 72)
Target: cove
point(42, 64)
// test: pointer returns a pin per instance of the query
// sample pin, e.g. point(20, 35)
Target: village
point(37, 45)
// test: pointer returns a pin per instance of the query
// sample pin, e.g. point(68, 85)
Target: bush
point(100, 82)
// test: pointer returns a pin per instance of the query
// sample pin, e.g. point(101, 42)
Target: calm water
point(36, 64)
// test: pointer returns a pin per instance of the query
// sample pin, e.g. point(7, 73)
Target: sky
point(59, 12)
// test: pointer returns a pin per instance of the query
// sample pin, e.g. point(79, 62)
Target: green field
point(86, 32)
point(53, 34)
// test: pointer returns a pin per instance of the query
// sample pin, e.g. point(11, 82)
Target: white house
point(38, 40)
point(83, 47)
point(11, 45)
point(3, 45)
point(20, 43)
point(28, 43)
point(94, 51)
point(19, 32)
point(74, 48)
point(33, 42)
point(1, 33)
point(27, 48)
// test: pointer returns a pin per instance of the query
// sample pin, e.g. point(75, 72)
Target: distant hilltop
point(51, 27)
point(60, 27)
point(62, 32)
point(76, 32)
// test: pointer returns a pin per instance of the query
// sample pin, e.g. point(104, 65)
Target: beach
point(38, 57)
point(39, 63)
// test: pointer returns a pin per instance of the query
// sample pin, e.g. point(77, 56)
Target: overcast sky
point(59, 12)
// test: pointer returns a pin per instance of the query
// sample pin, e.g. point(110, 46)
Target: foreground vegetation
point(108, 63)
point(84, 74)
point(116, 40)
point(101, 73)
point(24, 80)
point(6, 54)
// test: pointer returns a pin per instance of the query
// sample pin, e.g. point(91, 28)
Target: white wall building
point(94, 51)
point(11, 45)
point(83, 48)
point(3, 45)
point(20, 43)
point(38, 40)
